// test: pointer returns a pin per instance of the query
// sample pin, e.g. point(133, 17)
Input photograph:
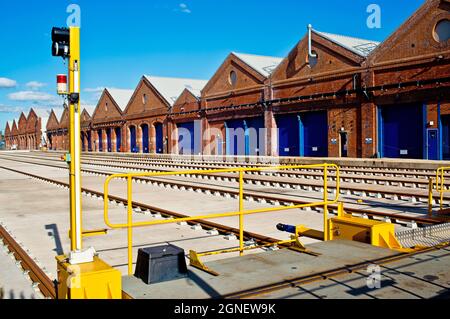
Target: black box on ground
point(160, 263)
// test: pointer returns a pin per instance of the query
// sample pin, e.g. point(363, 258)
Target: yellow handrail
point(440, 184)
point(241, 212)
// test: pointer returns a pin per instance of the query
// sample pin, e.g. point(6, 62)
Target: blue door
point(89, 138)
point(108, 140)
point(118, 132)
point(401, 131)
point(186, 135)
point(255, 136)
point(133, 145)
point(145, 147)
point(433, 144)
point(235, 137)
point(83, 139)
point(288, 135)
point(159, 138)
point(100, 140)
point(315, 134)
point(219, 145)
point(445, 133)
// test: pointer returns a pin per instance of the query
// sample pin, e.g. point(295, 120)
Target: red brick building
point(107, 121)
point(331, 96)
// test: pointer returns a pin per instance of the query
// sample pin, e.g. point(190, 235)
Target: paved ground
point(37, 214)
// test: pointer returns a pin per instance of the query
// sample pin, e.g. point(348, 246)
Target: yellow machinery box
point(94, 280)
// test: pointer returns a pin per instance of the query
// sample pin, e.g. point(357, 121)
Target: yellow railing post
point(130, 223)
point(430, 197)
point(325, 200)
point(241, 210)
point(441, 190)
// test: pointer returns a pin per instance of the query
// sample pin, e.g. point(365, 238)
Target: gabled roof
point(14, 125)
point(361, 47)
point(8, 127)
point(120, 96)
point(264, 65)
point(171, 88)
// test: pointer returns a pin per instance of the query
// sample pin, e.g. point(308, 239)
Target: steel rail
point(268, 198)
point(424, 195)
point(37, 275)
point(248, 194)
point(268, 179)
point(366, 173)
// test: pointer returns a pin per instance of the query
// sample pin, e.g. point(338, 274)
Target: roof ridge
point(346, 36)
point(256, 55)
point(170, 77)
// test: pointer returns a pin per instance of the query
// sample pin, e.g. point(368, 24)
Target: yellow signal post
point(74, 118)
point(81, 274)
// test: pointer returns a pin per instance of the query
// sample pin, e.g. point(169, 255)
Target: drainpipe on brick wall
point(310, 53)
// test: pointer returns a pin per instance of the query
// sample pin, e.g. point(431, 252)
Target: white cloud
point(35, 97)
point(11, 109)
point(34, 85)
point(184, 8)
point(7, 83)
point(94, 90)
point(30, 96)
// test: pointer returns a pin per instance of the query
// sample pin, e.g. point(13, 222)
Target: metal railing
point(439, 187)
point(129, 225)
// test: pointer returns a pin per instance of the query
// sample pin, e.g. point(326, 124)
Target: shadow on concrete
point(53, 232)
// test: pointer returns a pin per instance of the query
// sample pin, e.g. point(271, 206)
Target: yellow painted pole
point(442, 189)
point(325, 199)
point(130, 223)
point(430, 197)
point(241, 210)
point(75, 147)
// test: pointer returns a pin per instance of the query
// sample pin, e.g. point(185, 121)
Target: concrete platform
point(256, 270)
point(421, 276)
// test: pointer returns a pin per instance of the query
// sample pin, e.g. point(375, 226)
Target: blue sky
point(122, 40)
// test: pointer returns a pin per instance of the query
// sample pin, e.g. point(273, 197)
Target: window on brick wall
point(441, 32)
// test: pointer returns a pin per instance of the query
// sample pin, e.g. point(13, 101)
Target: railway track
point(37, 275)
point(47, 287)
point(204, 164)
point(396, 178)
point(263, 195)
point(256, 196)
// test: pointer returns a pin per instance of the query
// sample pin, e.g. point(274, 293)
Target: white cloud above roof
point(7, 83)
point(121, 96)
point(171, 88)
point(89, 108)
point(30, 96)
point(58, 112)
point(361, 47)
point(263, 64)
point(35, 85)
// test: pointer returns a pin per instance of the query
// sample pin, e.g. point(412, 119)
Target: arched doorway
point(89, 141)
point(118, 132)
point(108, 140)
point(133, 144)
point(159, 138)
point(83, 140)
point(145, 146)
point(100, 140)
